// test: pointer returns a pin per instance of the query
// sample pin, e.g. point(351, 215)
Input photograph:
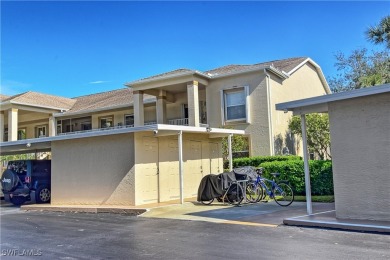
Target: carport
point(360, 135)
point(156, 131)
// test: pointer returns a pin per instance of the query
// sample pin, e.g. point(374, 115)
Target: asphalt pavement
point(54, 235)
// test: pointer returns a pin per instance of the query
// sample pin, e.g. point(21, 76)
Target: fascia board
point(89, 111)
point(122, 130)
point(181, 74)
point(292, 105)
point(270, 68)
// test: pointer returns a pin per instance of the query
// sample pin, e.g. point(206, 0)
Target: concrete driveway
point(259, 214)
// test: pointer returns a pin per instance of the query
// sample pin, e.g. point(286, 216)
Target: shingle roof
point(285, 65)
point(165, 74)
point(41, 100)
point(2, 97)
point(124, 97)
point(104, 100)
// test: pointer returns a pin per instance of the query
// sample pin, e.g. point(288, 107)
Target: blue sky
point(76, 48)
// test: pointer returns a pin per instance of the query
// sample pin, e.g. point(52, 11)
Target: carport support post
point(306, 165)
point(230, 152)
point(181, 166)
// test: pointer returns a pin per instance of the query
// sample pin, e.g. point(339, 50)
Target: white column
point(138, 108)
point(161, 107)
point(180, 140)
point(1, 126)
point(306, 166)
point(230, 152)
point(193, 103)
point(52, 126)
point(12, 124)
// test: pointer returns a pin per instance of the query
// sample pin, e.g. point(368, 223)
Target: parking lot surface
point(55, 235)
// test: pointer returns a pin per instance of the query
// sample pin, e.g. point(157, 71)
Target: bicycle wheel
point(283, 194)
point(207, 202)
point(235, 194)
point(253, 192)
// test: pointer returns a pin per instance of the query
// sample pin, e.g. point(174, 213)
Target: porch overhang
point(44, 143)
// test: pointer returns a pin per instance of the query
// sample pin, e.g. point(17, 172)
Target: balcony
point(178, 121)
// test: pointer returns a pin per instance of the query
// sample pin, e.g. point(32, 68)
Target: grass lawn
point(324, 198)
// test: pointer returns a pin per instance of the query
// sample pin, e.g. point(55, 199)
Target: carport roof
point(320, 104)
point(44, 143)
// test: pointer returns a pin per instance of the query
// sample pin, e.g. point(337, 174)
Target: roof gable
point(40, 100)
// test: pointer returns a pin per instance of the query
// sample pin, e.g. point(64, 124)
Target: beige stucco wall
point(360, 137)
point(258, 129)
point(303, 83)
point(95, 170)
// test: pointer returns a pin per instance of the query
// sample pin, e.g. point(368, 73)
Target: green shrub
point(257, 160)
point(321, 176)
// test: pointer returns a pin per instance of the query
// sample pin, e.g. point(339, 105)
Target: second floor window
point(235, 107)
point(40, 131)
point(129, 119)
point(106, 122)
point(22, 134)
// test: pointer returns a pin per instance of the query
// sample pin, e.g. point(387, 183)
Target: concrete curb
point(124, 211)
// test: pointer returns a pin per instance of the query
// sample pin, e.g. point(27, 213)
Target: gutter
point(30, 105)
point(81, 112)
point(280, 74)
point(271, 132)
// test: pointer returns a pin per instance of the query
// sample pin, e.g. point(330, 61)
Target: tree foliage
point(239, 143)
point(362, 68)
point(380, 34)
point(318, 135)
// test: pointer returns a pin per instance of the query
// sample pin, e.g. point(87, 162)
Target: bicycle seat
point(275, 174)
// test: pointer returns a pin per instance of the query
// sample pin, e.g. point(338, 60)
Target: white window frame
point(224, 92)
point(43, 127)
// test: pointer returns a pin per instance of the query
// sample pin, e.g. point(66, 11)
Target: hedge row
point(257, 160)
point(321, 177)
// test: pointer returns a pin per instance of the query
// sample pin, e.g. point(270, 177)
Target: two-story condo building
point(155, 139)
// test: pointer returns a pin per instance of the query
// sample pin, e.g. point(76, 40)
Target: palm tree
point(380, 33)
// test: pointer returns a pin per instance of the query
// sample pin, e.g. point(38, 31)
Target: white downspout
point(230, 152)
point(181, 166)
point(306, 166)
point(271, 131)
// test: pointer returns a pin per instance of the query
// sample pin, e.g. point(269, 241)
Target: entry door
point(215, 152)
point(149, 173)
point(174, 181)
point(193, 172)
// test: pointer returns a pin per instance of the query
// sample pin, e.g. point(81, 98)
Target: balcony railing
point(178, 121)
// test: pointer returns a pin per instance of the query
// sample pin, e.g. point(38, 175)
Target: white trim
point(181, 168)
point(319, 71)
point(222, 107)
point(122, 130)
point(89, 111)
point(244, 89)
point(10, 102)
point(306, 166)
point(292, 105)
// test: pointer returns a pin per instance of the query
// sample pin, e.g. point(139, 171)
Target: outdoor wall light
point(28, 145)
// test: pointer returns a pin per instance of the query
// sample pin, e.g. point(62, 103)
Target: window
point(21, 133)
point(106, 122)
point(129, 119)
point(40, 131)
point(235, 104)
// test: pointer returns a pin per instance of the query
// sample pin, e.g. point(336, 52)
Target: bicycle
point(280, 191)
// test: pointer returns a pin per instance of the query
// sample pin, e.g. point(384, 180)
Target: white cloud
point(13, 87)
point(97, 82)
